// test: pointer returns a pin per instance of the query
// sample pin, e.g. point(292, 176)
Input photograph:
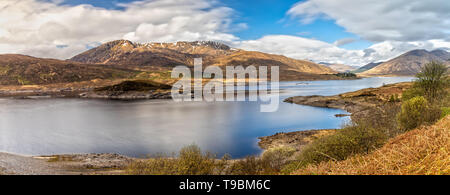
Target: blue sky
point(353, 32)
point(266, 17)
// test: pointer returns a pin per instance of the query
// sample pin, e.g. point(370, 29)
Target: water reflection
point(55, 126)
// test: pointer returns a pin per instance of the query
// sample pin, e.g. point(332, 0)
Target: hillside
point(340, 67)
point(164, 56)
point(26, 70)
point(367, 67)
point(423, 151)
point(409, 63)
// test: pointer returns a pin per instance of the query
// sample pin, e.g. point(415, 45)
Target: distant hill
point(367, 67)
point(409, 63)
point(340, 67)
point(26, 70)
point(165, 56)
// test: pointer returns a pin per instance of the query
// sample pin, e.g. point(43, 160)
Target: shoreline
point(295, 139)
point(355, 103)
point(358, 103)
point(63, 164)
point(86, 89)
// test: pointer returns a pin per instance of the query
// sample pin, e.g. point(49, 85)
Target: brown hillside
point(423, 151)
point(26, 70)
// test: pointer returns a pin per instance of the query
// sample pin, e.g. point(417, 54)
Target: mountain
point(409, 63)
point(165, 56)
point(367, 67)
point(127, 53)
point(442, 54)
point(340, 67)
point(26, 70)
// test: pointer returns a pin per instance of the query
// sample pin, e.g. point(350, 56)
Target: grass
point(190, 161)
point(445, 111)
point(4, 69)
point(423, 151)
point(59, 158)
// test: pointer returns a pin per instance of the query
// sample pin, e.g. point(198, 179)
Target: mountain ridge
point(340, 67)
point(367, 67)
point(165, 56)
point(409, 63)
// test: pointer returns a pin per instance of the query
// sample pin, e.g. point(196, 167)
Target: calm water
point(57, 126)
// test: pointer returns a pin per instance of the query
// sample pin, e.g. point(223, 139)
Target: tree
point(432, 80)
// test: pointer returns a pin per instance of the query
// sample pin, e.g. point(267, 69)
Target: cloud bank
point(373, 20)
point(50, 29)
point(319, 51)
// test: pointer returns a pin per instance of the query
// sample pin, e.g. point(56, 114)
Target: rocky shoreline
point(67, 164)
point(297, 139)
point(85, 93)
point(132, 95)
point(358, 103)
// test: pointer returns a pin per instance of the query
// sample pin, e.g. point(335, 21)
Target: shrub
point(382, 118)
point(154, 166)
point(346, 75)
point(394, 98)
point(276, 158)
point(271, 162)
point(416, 112)
point(191, 161)
point(250, 165)
point(351, 140)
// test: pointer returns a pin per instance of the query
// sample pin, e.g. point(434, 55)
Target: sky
point(353, 32)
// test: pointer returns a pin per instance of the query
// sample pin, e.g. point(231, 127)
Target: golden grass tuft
point(423, 151)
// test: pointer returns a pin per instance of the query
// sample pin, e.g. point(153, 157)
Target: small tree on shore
point(432, 80)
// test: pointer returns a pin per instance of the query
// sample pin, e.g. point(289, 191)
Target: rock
point(342, 115)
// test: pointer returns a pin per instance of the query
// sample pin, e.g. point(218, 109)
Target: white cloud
point(395, 26)
point(48, 29)
point(344, 41)
point(373, 20)
point(319, 51)
point(303, 48)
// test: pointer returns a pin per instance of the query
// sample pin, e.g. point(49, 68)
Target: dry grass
point(423, 151)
